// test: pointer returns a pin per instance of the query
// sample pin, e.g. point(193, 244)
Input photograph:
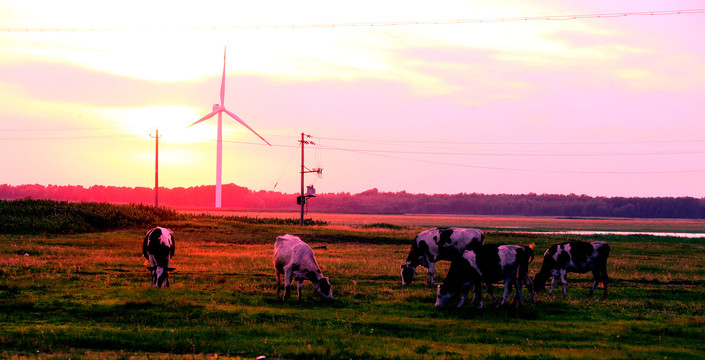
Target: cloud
point(62, 82)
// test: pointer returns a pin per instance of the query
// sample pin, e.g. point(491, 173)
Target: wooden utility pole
point(302, 199)
point(304, 170)
point(156, 169)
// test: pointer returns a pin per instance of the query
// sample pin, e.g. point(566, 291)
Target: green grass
point(63, 217)
point(88, 295)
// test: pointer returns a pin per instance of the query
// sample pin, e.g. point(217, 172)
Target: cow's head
point(323, 288)
point(442, 297)
point(539, 282)
point(407, 274)
point(160, 275)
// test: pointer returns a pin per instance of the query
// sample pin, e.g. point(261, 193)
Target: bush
point(266, 221)
point(382, 226)
point(63, 217)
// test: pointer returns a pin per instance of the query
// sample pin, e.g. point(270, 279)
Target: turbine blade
point(222, 82)
point(204, 118)
point(245, 125)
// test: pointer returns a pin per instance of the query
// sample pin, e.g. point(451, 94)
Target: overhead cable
point(525, 170)
point(356, 24)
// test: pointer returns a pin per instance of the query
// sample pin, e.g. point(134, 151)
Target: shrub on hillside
point(267, 220)
point(62, 217)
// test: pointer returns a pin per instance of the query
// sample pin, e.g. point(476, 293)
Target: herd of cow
point(472, 263)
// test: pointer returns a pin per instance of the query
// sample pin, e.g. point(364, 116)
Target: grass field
point(509, 223)
point(88, 296)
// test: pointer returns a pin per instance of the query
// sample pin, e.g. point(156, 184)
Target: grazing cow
point(489, 264)
point(438, 244)
point(575, 256)
point(293, 258)
point(158, 247)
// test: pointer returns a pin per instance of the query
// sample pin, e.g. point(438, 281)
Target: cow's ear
point(151, 268)
point(170, 269)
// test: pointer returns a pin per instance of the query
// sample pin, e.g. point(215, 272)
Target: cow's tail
point(530, 253)
point(145, 244)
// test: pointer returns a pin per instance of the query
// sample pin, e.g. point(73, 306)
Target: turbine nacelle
point(218, 107)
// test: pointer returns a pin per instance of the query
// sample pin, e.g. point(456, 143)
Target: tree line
point(375, 201)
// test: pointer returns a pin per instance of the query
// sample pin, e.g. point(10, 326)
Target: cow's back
point(159, 242)
point(453, 241)
point(469, 238)
point(490, 260)
point(576, 256)
point(288, 249)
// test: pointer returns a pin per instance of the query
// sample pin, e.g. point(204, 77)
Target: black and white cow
point(294, 259)
point(575, 256)
point(438, 244)
point(158, 247)
point(487, 264)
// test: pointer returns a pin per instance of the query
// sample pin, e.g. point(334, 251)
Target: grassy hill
point(87, 295)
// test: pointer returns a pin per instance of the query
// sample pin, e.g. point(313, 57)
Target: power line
point(397, 142)
point(512, 154)
point(524, 170)
point(394, 154)
point(377, 141)
point(415, 143)
point(524, 154)
point(68, 129)
point(77, 137)
point(405, 152)
point(384, 154)
point(357, 24)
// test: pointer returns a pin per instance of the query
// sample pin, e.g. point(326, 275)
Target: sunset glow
point(599, 106)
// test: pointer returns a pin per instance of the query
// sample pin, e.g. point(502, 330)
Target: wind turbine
point(220, 109)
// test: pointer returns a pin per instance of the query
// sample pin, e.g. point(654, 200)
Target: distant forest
point(374, 201)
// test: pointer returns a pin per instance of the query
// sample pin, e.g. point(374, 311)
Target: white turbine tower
point(220, 109)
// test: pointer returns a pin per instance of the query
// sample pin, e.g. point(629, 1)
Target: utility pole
point(304, 170)
point(156, 168)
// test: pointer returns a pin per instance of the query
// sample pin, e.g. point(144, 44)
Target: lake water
point(578, 232)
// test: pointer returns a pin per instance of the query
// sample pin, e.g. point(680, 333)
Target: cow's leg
point(605, 277)
point(431, 272)
point(278, 283)
point(472, 301)
point(166, 271)
point(463, 294)
point(595, 281)
point(478, 293)
point(564, 281)
point(530, 287)
point(153, 264)
point(517, 295)
point(507, 288)
point(553, 284)
point(491, 292)
point(298, 288)
point(288, 275)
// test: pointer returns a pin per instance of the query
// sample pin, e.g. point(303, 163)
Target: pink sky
point(598, 106)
